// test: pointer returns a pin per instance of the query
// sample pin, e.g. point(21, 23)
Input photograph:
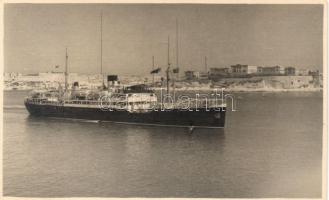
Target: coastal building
point(314, 73)
point(259, 70)
point(302, 72)
point(48, 77)
point(289, 71)
point(216, 74)
point(192, 75)
point(219, 71)
point(317, 78)
point(8, 76)
point(243, 70)
point(52, 76)
point(30, 78)
point(203, 75)
point(272, 71)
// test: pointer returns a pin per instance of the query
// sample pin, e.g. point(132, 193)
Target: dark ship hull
point(211, 118)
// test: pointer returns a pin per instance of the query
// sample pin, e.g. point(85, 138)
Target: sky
point(36, 35)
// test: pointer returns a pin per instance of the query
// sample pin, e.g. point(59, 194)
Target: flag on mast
point(176, 70)
point(155, 71)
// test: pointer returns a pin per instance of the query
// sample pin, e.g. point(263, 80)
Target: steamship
point(134, 104)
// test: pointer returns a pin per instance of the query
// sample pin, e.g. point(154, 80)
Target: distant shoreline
point(250, 90)
point(269, 90)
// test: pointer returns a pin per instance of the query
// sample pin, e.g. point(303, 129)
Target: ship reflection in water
point(270, 147)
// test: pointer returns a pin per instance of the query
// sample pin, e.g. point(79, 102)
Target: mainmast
point(153, 70)
point(101, 46)
point(168, 69)
point(66, 70)
point(177, 52)
point(205, 64)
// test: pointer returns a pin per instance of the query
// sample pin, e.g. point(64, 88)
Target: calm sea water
point(270, 147)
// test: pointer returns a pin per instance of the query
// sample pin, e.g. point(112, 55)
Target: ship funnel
point(75, 86)
point(112, 80)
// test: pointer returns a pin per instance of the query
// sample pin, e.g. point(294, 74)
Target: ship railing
point(199, 103)
point(42, 101)
point(82, 102)
point(190, 103)
point(92, 102)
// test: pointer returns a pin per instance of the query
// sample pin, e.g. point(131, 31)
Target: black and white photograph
point(164, 100)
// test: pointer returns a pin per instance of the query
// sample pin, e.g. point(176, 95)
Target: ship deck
point(191, 104)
